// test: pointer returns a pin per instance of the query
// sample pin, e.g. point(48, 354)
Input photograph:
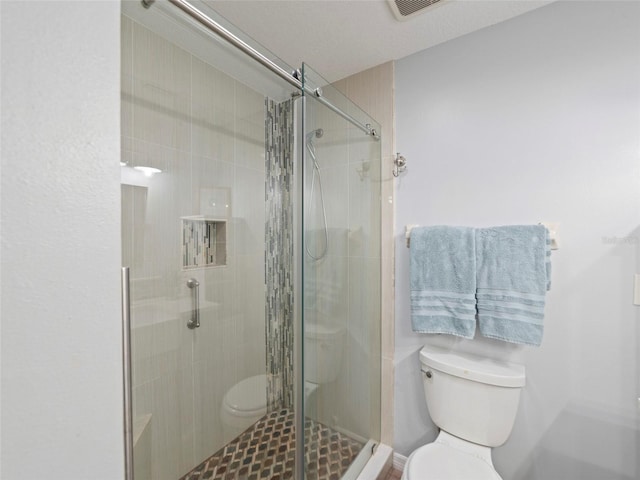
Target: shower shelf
point(204, 242)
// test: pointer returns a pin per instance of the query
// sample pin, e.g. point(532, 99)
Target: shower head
point(318, 133)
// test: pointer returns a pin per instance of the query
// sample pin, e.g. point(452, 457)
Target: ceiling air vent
point(405, 9)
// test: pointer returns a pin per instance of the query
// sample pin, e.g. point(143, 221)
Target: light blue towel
point(548, 259)
point(513, 275)
point(443, 280)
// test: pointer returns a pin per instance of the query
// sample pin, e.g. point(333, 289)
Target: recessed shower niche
point(204, 242)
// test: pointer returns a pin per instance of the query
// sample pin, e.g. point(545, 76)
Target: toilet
point(323, 349)
point(246, 402)
point(473, 400)
point(243, 405)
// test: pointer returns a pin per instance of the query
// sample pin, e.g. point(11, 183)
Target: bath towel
point(443, 280)
point(513, 275)
point(547, 264)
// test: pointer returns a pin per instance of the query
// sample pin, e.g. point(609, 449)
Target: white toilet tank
point(323, 350)
point(471, 397)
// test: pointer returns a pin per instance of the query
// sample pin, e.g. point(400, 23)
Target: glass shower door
point(341, 283)
point(195, 115)
point(193, 237)
point(228, 196)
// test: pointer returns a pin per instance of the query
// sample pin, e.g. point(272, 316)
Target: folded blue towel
point(513, 275)
point(547, 263)
point(443, 281)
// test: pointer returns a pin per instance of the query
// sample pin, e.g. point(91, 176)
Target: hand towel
point(443, 280)
point(513, 273)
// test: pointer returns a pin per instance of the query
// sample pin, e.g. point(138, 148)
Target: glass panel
point(341, 250)
point(204, 131)
point(188, 34)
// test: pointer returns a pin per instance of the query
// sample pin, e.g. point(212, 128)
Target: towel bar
point(551, 226)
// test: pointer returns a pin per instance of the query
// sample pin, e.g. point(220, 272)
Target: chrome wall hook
point(399, 165)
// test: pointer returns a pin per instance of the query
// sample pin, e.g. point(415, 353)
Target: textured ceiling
point(342, 37)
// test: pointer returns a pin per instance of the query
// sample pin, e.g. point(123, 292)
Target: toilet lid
point(436, 461)
point(248, 395)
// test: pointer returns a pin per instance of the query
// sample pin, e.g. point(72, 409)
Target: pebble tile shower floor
point(267, 451)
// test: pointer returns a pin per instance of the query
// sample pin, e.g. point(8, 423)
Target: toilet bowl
point(246, 402)
point(243, 405)
point(441, 460)
point(474, 401)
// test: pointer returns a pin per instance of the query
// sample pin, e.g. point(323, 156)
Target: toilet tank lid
point(473, 367)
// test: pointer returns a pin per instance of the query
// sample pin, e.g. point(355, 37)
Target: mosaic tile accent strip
point(203, 243)
point(279, 254)
point(267, 451)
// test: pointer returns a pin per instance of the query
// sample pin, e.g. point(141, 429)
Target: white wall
point(536, 119)
point(61, 327)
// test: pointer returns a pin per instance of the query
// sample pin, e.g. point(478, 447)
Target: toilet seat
point(438, 461)
point(248, 397)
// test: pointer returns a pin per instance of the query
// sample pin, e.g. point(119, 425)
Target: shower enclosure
point(251, 234)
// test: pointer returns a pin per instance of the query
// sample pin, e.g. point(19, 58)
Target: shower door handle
point(194, 285)
point(126, 375)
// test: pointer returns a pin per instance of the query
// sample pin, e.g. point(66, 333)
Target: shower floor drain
point(267, 451)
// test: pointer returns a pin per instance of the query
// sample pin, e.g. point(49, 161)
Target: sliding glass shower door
point(194, 236)
point(341, 265)
point(250, 227)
